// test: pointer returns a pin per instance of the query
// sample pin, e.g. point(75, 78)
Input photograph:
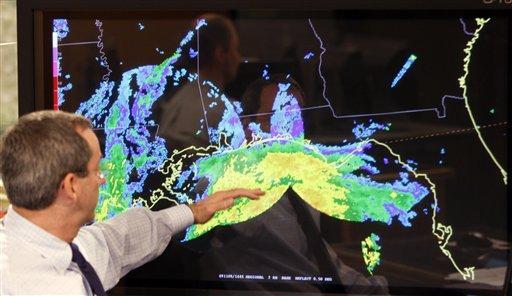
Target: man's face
point(266, 102)
point(89, 185)
point(267, 98)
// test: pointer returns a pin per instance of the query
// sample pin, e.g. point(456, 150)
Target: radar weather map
point(337, 180)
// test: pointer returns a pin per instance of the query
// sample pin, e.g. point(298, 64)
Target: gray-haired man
point(49, 163)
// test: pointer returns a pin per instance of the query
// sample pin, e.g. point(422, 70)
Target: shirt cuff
point(180, 217)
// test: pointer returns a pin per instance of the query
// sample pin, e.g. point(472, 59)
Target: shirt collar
point(55, 250)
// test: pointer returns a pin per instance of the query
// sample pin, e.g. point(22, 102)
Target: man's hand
point(203, 210)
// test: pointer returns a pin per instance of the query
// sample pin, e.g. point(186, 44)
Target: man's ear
point(67, 192)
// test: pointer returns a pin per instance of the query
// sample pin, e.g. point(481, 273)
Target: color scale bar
point(55, 70)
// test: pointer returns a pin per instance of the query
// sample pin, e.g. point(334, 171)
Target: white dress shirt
point(33, 261)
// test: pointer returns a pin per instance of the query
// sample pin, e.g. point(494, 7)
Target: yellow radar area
point(323, 180)
point(371, 252)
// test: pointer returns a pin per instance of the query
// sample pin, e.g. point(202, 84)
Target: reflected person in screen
point(284, 240)
point(49, 163)
point(219, 59)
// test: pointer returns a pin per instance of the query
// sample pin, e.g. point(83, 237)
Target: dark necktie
point(88, 271)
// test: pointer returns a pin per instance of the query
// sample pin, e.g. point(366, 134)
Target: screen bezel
point(34, 63)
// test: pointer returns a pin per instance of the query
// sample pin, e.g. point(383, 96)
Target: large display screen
point(380, 141)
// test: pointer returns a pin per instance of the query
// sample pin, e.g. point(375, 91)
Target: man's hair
point(36, 154)
point(218, 31)
point(251, 100)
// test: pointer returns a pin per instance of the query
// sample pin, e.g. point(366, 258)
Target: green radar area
point(322, 177)
point(371, 252)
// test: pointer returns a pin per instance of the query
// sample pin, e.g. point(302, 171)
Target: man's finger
point(239, 192)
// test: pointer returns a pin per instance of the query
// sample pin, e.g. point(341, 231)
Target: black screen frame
point(35, 85)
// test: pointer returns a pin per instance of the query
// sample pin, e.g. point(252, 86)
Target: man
point(49, 163)
point(187, 114)
point(258, 101)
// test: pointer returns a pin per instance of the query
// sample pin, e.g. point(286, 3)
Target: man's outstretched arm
point(127, 241)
